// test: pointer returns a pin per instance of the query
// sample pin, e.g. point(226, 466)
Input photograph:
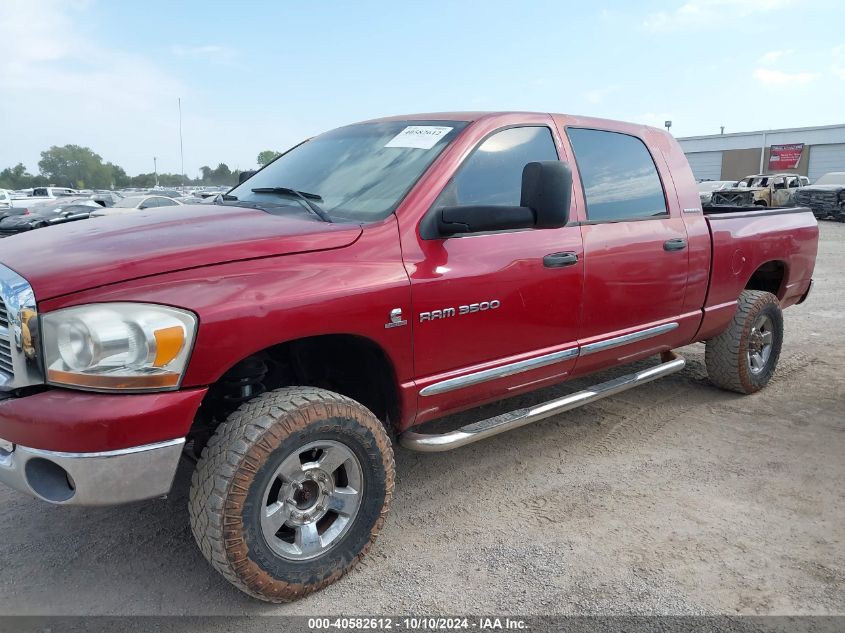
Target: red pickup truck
point(366, 282)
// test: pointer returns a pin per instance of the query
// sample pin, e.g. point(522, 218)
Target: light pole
point(155, 169)
point(181, 147)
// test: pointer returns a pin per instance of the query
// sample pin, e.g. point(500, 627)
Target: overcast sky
point(264, 75)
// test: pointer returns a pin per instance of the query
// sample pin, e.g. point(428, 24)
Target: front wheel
point(744, 357)
point(291, 492)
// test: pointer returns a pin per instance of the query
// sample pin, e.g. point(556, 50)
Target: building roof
point(816, 135)
point(767, 132)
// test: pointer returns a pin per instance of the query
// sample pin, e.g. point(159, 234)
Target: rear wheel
point(744, 357)
point(291, 491)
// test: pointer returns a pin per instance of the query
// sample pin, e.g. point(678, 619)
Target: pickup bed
point(369, 280)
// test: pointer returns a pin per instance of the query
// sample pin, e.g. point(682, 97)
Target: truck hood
point(823, 188)
point(69, 258)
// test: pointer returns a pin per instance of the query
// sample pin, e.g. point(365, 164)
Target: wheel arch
point(349, 364)
point(770, 276)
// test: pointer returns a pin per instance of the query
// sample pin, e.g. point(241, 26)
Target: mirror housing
point(547, 191)
point(246, 175)
point(544, 204)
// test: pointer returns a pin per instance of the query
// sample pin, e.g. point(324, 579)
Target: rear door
point(635, 250)
point(493, 313)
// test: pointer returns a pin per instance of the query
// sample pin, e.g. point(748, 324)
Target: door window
point(492, 175)
point(618, 175)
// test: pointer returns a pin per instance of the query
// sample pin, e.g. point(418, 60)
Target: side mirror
point(547, 191)
point(544, 204)
point(246, 175)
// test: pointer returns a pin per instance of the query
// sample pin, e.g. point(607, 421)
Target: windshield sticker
point(419, 136)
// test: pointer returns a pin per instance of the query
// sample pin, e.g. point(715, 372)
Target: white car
point(136, 203)
point(5, 199)
point(29, 197)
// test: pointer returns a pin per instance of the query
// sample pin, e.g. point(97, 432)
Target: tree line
point(82, 168)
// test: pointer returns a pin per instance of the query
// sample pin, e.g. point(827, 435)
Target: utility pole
point(181, 147)
point(155, 169)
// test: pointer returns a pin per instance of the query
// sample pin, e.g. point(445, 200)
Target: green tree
point(18, 177)
point(266, 156)
point(222, 175)
point(119, 179)
point(75, 166)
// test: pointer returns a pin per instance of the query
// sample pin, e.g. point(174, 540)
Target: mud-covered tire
point(240, 464)
point(729, 364)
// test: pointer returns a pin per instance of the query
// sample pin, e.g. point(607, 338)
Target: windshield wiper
point(302, 195)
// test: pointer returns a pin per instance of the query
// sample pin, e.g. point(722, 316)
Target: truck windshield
point(360, 172)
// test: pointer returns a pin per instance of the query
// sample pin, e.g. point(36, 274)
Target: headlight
point(109, 346)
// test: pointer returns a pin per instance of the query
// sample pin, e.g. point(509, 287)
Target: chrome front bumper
point(91, 479)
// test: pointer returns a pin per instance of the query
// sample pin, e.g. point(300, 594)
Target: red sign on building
point(785, 156)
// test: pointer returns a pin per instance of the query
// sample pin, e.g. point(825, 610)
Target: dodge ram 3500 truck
point(366, 282)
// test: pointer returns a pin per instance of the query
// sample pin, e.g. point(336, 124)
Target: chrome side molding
point(625, 339)
point(433, 443)
point(541, 361)
point(498, 372)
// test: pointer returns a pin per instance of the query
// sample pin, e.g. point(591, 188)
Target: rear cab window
point(618, 175)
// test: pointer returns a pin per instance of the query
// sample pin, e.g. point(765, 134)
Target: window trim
point(588, 221)
point(426, 228)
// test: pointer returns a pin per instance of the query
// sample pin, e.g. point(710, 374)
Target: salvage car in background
point(46, 214)
point(707, 187)
point(765, 190)
point(826, 196)
point(136, 203)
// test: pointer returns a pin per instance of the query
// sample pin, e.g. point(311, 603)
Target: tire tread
point(725, 354)
point(275, 414)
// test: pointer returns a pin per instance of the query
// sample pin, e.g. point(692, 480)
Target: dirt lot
point(673, 498)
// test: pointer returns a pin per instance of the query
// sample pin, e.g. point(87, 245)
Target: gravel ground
point(674, 498)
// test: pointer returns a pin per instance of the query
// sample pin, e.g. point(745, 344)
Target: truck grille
point(18, 359)
point(818, 200)
point(6, 355)
point(5, 344)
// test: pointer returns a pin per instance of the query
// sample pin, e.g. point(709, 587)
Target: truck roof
point(472, 116)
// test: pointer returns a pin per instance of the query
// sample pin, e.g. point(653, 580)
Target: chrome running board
point(435, 443)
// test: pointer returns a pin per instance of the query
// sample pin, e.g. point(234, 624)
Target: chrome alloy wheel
point(311, 500)
point(760, 342)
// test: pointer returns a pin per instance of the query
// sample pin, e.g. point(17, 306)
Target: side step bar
point(671, 363)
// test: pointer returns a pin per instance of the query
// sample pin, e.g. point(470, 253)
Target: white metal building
point(733, 156)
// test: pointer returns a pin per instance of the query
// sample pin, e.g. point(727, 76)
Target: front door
point(493, 315)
